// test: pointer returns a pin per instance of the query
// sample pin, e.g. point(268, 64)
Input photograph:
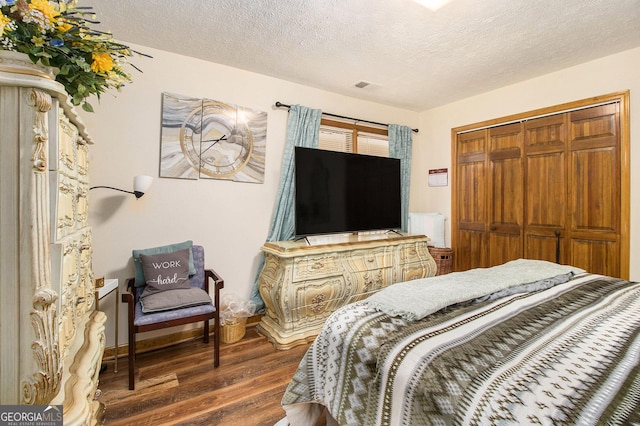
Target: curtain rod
point(280, 104)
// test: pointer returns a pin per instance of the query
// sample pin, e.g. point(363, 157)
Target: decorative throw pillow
point(165, 271)
point(170, 248)
point(175, 299)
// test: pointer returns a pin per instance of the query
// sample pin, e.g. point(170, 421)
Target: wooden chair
point(140, 322)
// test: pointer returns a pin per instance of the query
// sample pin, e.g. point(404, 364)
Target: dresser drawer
point(310, 267)
point(82, 206)
point(372, 280)
point(82, 163)
point(363, 260)
point(316, 313)
point(63, 205)
point(63, 146)
point(320, 303)
point(413, 253)
point(414, 271)
point(328, 288)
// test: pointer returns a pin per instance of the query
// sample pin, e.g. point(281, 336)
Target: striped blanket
point(568, 354)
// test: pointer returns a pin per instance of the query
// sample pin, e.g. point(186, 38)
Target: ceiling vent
point(362, 84)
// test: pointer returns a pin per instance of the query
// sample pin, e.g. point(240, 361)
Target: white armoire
point(52, 338)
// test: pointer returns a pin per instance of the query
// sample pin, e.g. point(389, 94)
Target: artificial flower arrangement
point(57, 34)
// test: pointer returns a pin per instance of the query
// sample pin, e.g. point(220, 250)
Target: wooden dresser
point(302, 284)
point(52, 336)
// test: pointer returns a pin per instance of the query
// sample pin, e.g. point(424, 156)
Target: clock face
point(216, 140)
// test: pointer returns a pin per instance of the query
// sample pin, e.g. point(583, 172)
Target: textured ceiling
point(415, 58)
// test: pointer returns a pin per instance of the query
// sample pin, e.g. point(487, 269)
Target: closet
point(551, 184)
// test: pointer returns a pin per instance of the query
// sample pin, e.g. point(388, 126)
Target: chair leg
point(132, 357)
point(205, 337)
point(216, 343)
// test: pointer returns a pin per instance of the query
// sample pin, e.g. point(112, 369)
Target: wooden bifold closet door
point(545, 188)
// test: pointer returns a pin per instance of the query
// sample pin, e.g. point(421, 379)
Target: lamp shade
point(140, 185)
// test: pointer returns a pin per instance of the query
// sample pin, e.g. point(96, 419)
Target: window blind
point(339, 139)
point(335, 139)
point(371, 144)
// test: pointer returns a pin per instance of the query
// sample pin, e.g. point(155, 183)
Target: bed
point(527, 342)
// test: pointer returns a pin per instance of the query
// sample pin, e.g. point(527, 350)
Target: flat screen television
point(338, 192)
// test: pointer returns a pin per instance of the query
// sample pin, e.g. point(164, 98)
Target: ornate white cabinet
point(302, 285)
point(52, 338)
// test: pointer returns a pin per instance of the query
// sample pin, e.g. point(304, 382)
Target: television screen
point(343, 192)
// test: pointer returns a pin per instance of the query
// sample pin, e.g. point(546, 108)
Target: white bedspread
point(413, 300)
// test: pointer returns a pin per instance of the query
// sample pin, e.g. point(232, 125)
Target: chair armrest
point(130, 284)
point(218, 283)
point(128, 296)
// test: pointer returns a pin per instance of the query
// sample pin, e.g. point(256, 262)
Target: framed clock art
point(208, 139)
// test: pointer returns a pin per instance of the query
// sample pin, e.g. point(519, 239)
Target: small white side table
point(109, 286)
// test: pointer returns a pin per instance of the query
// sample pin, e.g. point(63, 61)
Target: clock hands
point(227, 158)
point(235, 137)
point(215, 141)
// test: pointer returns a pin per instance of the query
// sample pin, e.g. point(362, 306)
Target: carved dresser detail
point(301, 285)
point(52, 338)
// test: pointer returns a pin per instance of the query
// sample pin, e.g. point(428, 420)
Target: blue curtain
point(302, 130)
point(400, 143)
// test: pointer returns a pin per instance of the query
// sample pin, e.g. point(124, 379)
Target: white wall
point(230, 219)
point(614, 73)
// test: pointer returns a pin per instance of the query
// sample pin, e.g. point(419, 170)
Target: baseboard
point(166, 340)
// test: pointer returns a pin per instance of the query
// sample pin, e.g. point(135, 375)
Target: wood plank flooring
point(178, 385)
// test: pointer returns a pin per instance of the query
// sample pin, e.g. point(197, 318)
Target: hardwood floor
point(178, 385)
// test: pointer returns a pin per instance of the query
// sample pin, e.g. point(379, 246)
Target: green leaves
point(87, 107)
point(65, 41)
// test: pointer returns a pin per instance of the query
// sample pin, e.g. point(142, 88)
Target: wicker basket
point(233, 331)
point(443, 258)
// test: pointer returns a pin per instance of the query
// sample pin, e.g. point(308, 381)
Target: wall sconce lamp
point(140, 185)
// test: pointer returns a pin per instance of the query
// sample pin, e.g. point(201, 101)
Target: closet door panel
point(472, 250)
point(542, 246)
point(596, 125)
point(546, 134)
point(546, 177)
point(546, 188)
point(598, 257)
point(471, 200)
point(595, 170)
point(506, 187)
point(595, 189)
point(472, 207)
point(506, 194)
point(504, 247)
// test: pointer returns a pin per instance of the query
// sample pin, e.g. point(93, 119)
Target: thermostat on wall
point(438, 177)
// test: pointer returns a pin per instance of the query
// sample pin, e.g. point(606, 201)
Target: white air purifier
point(429, 224)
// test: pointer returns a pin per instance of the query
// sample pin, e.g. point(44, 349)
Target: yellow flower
point(37, 41)
point(47, 9)
point(102, 62)
point(3, 21)
point(64, 6)
point(64, 26)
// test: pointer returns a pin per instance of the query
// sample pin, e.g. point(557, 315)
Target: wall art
point(208, 139)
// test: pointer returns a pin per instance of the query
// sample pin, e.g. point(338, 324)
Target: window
point(346, 137)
